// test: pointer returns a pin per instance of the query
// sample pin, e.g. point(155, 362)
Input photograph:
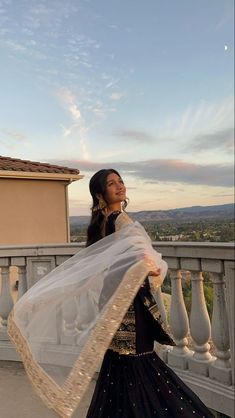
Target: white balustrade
point(211, 377)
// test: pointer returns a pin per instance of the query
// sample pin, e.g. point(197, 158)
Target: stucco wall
point(33, 211)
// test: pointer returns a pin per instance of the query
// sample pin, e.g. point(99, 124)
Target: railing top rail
point(179, 244)
point(204, 250)
point(223, 251)
point(155, 243)
point(39, 245)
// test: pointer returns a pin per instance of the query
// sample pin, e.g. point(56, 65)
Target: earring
point(125, 203)
point(102, 204)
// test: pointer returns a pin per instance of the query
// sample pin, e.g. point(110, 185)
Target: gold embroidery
point(124, 341)
point(123, 348)
point(124, 335)
point(128, 321)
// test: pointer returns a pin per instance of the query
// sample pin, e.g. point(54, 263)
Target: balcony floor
point(17, 397)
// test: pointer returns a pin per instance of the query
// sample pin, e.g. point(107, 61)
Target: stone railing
point(209, 373)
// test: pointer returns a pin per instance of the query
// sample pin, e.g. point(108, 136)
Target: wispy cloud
point(174, 171)
point(223, 140)
point(222, 195)
point(16, 135)
point(16, 46)
point(135, 135)
point(202, 119)
point(69, 100)
point(112, 83)
point(102, 110)
point(116, 96)
point(11, 139)
point(75, 112)
point(66, 131)
point(26, 48)
point(57, 57)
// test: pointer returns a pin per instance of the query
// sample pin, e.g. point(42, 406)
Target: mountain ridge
point(192, 213)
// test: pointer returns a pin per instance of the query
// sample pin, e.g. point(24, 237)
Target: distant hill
point(194, 213)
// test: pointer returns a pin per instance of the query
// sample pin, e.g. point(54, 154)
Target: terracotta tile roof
point(15, 164)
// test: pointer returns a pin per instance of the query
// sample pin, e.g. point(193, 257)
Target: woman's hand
point(155, 273)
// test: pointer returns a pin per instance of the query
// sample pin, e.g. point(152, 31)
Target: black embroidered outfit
point(133, 381)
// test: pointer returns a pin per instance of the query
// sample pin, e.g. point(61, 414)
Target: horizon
point(147, 89)
point(164, 210)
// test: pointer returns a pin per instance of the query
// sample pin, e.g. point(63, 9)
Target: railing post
point(178, 357)
point(200, 327)
point(69, 322)
point(20, 263)
point(22, 286)
point(229, 268)
point(160, 303)
point(6, 301)
point(221, 368)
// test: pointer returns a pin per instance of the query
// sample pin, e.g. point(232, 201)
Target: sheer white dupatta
point(63, 325)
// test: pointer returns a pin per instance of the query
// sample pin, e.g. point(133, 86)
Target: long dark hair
point(97, 185)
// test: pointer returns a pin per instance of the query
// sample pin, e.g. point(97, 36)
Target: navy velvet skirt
point(142, 386)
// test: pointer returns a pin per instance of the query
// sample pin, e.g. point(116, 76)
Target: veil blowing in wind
point(60, 327)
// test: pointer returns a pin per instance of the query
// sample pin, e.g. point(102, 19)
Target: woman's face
point(115, 189)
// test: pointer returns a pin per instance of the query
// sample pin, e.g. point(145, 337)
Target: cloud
point(112, 83)
point(75, 112)
point(203, 119)
point(15, 135)
point(102, 110)
point(69, 100)
point(13, 139)
point(135, 135)
point(168, 170)
point(66, 131)
point(222, 195)
point(16, 46)
point(27, 50)
point(116, 96)
point(223, 140)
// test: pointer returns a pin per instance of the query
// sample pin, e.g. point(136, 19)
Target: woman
point(97, 306)
point(63, 325)
point(133, 381)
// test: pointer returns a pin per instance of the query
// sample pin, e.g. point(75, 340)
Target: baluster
point(200, 327)
point(160, 303)
point(229, 268)
point(179, 324)
point(20, 263)
point(221, 369)
point(69, 315)
point(22, 286)
point(6, 301)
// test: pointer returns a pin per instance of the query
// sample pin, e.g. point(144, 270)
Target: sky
point(145, 87)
